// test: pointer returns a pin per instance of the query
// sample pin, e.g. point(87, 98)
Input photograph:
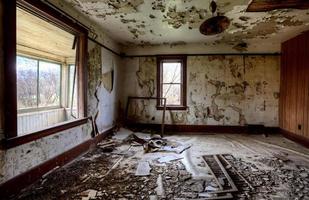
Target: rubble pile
point(291, 182)
point(140, 166)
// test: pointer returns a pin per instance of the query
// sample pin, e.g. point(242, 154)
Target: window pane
point(171, 72)
point(26, 82)
point(172, 93)
point(71, 92)
point(49, 84)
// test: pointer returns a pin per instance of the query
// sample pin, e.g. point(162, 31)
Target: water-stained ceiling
point(174, 22)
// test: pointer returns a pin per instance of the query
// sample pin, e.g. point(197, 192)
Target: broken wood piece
point(178, 149)
point(231, 182)
point(106, 145)
point(143, 169)
point(232, 188)
point(159, 189)
point(115, 164)
point(236, 171)
point(213, 174)
point(106, 142)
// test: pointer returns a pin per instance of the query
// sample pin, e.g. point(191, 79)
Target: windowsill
point(40, 109)
point(19, 140)
point(172, 107)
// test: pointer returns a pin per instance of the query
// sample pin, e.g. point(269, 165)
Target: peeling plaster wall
point(221, 90)
point(19, 159)
point(102, 104)
point(24, 157)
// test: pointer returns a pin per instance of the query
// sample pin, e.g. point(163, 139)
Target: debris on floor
point(169, 158)
point(143, 169)
point(156, 143)
point(120, 169)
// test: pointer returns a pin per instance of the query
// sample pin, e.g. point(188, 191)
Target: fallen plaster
point(274, 167)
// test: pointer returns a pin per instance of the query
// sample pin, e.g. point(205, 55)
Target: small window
point(172, 81)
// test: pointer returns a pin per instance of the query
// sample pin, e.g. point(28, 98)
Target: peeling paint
point(146, 76)
point(159, 5)
point(135, 32)
point(221, 90)
point(148, 20)
point(192, 16)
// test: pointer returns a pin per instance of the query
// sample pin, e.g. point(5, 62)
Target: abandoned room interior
point(154, 99)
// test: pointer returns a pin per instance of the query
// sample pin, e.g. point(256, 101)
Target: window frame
point(172, 58)
point(45, 12)
point(38, 108)
point(70, 99)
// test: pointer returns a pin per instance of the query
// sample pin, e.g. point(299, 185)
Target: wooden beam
point(10, 100)
point(267, 5)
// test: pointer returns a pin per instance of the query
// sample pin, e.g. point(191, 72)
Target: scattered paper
point(169, 158)
point(143, 169)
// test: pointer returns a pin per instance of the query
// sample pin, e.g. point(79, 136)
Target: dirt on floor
point(119, 168)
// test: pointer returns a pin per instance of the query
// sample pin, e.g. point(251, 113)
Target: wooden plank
point(282, 96)
point(213, 174)
point(231, 182)
point(300, 86)
point(15, 141)
point(267, 5)
point(236, 171)
point(306, 88)
point(9, 46)
point(294, 88)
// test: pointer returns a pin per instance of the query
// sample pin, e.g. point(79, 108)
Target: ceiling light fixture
point(215, 24)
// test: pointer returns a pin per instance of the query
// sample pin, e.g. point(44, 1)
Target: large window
point(38, 83)
point(172, 81)
point(41, 48)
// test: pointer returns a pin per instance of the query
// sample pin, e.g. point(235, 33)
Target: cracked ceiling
point(176, 22)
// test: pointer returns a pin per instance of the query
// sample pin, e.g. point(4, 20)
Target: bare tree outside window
point(49, 84)
point(38, 83)
point(26, 82)
point(171, 82)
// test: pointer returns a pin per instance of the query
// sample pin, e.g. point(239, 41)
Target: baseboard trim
point(296, 138)
point(204, 129)
point(16, 184)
